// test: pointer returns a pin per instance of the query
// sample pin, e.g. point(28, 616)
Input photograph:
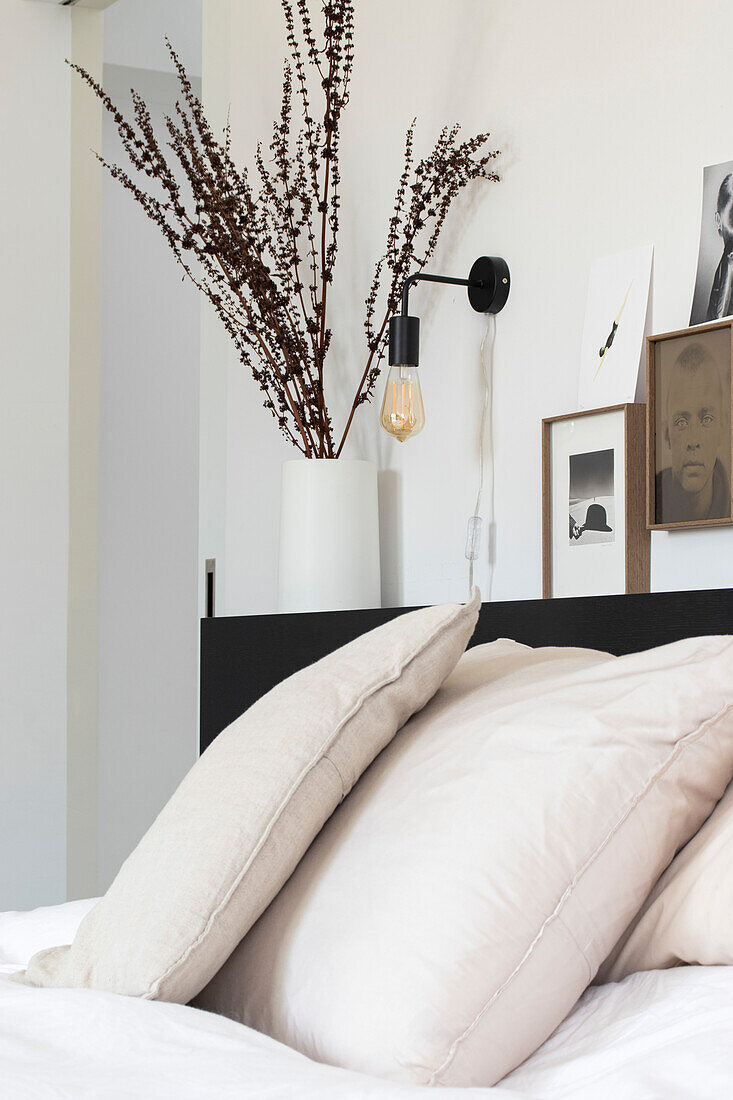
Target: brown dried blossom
point(264, 253)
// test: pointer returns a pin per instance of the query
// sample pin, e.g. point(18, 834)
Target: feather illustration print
point(607, 346)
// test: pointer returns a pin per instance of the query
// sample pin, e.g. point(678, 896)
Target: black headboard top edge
point(243, 656)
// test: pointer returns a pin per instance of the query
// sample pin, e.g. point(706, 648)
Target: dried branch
point(264, 254)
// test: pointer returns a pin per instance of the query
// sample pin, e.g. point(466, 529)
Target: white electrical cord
point(473, 540)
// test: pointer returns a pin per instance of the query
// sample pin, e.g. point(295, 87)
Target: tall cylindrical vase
point(329, 535)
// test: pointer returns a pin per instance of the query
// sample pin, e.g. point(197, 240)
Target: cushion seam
point(683, 743)
point(390, 677)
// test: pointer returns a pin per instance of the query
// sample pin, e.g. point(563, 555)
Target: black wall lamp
point(403, 412)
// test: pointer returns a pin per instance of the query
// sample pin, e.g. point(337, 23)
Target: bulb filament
point(402, 415)
point(403, 420)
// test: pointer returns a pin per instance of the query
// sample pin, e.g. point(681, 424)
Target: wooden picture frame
point(624, 567)
point(688, 463)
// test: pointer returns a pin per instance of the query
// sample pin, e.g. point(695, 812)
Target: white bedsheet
point(664, 1035)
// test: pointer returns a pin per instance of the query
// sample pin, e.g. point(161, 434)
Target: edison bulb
point(403, 413)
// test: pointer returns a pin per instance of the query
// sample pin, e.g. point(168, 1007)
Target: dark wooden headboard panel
point(242, 657)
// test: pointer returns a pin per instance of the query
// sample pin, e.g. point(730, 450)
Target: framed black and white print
point(713, 297)
point(594, 537)
point(690, 445)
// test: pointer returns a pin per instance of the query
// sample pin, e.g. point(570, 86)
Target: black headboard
point(243, 656)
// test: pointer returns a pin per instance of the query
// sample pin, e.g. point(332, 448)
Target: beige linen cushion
point(462, 898)
point(248, 809)
point(688, 918)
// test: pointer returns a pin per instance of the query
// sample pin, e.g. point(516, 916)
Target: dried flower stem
point(255, 251)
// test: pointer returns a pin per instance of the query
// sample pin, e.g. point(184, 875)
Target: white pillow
point(461, 899)
point(248, 809)
point(22, 934)
point(688, 917)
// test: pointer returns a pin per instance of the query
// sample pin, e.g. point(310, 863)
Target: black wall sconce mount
point(403, 414)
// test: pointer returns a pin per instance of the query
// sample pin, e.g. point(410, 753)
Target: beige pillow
point(461, 899)
point(246, 812)
point(688, 917)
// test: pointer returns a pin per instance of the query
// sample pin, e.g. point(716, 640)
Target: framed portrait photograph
point(594, 536)
point(690, 447)
point(713, 297)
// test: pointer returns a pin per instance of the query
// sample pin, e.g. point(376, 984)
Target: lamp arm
point(488, 290)
point(424, 277)
point(487, 282)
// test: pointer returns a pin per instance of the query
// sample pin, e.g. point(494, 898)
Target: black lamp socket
point(404, 341)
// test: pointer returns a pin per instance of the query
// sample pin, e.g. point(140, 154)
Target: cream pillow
point(248, 809)
point(688, 918)
point(462, 898)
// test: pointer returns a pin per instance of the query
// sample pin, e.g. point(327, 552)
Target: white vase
point(329, 535)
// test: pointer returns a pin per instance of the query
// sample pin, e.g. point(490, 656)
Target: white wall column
point(34, 438)
point(84, 365)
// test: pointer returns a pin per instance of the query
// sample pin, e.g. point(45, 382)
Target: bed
point(661, 1033)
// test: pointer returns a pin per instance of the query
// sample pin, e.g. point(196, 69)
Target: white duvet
point(663, 1035)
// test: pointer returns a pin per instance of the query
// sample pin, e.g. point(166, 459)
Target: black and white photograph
point(690, 401)
point(591, 498)
point(713, 297)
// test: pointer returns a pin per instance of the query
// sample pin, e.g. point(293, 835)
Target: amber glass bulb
point(403, 413)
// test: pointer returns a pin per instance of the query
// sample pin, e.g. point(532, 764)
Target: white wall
point(148, 635)
point(604, 133)
point(34, 369)
point(112, 725)
point(605, 124)
point(135, 32)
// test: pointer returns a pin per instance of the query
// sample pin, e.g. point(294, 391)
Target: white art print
point(713, 298)
point(614, 329)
